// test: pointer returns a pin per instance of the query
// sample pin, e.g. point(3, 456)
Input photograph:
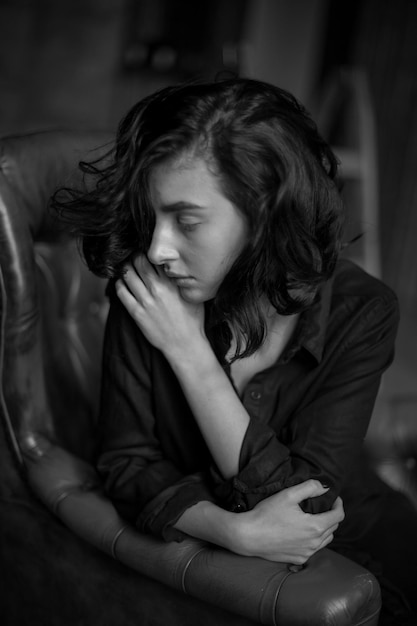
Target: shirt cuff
point(160, 514)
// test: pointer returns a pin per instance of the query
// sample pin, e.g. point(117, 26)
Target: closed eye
point(189, 227)
point(187, 224)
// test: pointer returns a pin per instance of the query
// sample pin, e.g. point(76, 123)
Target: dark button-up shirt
point(309, 414)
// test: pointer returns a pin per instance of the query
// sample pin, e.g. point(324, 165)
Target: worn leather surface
point(330, 589)
point(51, 577)
point(52, 313)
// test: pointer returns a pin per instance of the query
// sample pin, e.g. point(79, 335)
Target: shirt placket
point(252, 398)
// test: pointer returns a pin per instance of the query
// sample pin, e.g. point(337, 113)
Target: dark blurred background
point(353, 63)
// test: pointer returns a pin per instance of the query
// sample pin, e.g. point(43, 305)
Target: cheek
point(235, 248)
point(212, 256)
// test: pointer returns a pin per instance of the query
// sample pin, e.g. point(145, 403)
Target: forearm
point(219, 413)
point(209, 522)
point(276, 529)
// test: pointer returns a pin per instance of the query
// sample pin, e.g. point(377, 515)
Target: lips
point(175, 276)
point(180, 280)
point(184, 281)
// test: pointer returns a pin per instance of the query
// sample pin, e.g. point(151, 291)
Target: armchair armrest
point(329, 589)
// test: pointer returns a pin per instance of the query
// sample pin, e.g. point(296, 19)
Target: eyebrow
point(180, 206)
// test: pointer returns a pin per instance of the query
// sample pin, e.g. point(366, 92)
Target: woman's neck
point(279, 330)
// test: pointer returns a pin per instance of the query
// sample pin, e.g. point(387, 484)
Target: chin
point(193, 295)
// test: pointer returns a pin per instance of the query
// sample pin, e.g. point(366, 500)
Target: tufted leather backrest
point(52, 309)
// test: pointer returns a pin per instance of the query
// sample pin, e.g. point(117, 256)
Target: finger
point(134, 282)
point(326, 541)
point(308, 489)
point(338, 509)
point(159, 270)
point(332, 517)
point(141, 261)
point(145, 270)
point(126, 297)
point(329, 532)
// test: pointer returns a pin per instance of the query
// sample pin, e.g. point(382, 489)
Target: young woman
point(242, 358)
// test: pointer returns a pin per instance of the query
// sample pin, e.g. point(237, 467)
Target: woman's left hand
point(154, 301)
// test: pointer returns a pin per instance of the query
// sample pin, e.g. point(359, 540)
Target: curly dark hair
point(271, 163)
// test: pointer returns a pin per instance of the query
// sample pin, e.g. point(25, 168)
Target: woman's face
point(198, 232)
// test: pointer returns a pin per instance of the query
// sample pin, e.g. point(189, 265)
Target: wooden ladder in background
point(346, 120)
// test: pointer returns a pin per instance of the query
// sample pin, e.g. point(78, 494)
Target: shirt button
point(255, 395)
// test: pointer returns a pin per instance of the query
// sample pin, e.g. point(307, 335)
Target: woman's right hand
point(277, 529)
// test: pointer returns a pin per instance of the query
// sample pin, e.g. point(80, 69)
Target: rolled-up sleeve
point(324, 434)
point(146, 487)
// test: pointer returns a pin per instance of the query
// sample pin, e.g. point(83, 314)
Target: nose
point(163, 247)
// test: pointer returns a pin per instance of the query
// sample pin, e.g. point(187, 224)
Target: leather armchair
point(68, 558)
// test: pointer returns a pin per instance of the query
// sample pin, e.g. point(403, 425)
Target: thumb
point(308, 489)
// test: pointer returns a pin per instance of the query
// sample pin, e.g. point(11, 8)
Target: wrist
point(240, 533)
point(209, 522)
point(193, 355)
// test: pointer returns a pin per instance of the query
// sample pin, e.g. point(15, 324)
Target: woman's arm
point(147, 486)
point(326, 401)
point(218, 411)
point(177, 329)
point(132, 461)
point(276, 529)
point(329, 421)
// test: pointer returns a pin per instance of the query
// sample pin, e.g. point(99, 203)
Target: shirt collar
point(310, 333)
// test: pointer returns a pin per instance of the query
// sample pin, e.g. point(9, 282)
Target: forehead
point(184, 178)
